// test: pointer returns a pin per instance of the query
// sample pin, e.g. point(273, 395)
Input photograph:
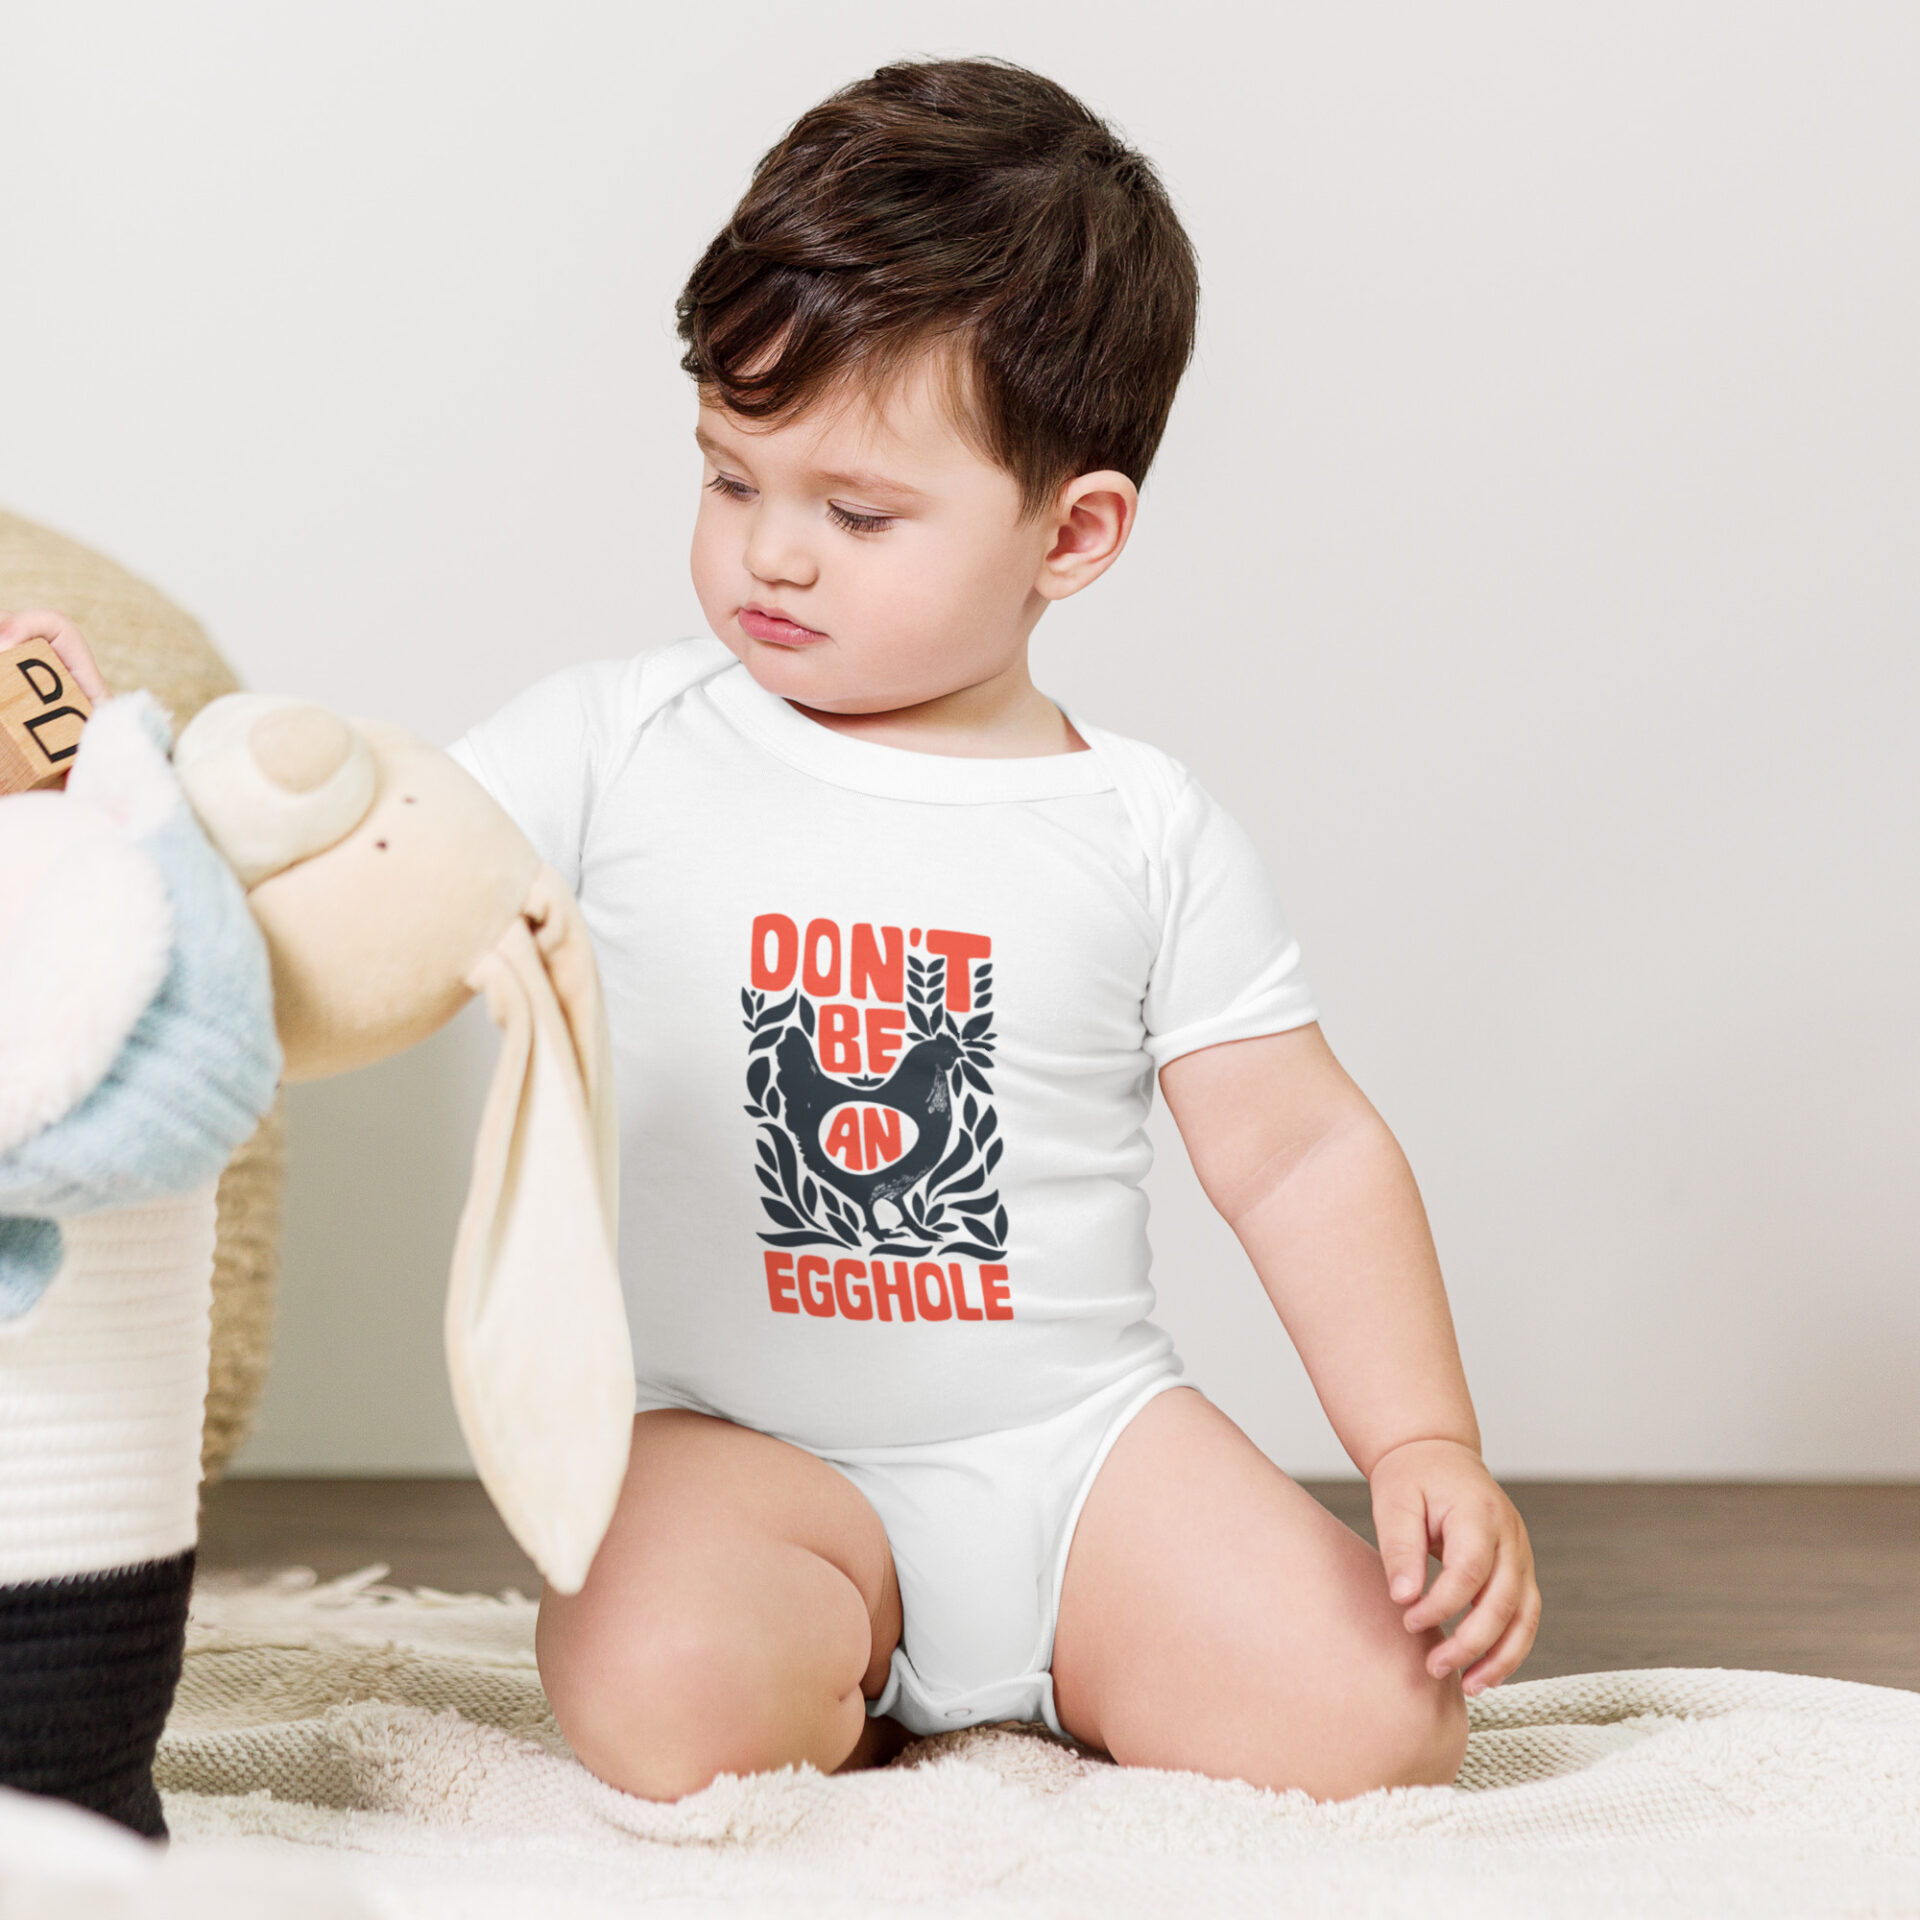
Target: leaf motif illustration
point(984, 1131)
point(773, 1100)
point(952, 1163)
point(806, 1238)
point(746, 1003)
point(922, 1025)
point(765, 1151)
point(980, 1057)
point(977, 1178)
point(983, 1000)
point(759, 1113)
point(1000, 1226)
point(977, 1203)
point(775, 1015)
point(765, 1039)
point(806, 1016)
point(971, 1112)
point(974, 1249)
point(767, 1180)
point(976, 1026)
point(779, 1215)
point(973, 1074)
point(789, 1165)
point(757, 1073)
point(993, 1154)
point(808, 1194)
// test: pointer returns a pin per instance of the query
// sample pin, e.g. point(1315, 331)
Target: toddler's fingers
point(1483, 1624)
point(1400, 1526)
point(67, 641)
point(1508, 1651)
point(1467, 1557)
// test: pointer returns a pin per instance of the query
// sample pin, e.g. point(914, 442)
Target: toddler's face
point(863, 557)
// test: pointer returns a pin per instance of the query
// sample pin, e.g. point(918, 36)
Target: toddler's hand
point(1438, 1495)
point(41, 623)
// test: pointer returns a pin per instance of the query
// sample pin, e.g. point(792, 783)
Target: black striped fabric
point(88, 1666)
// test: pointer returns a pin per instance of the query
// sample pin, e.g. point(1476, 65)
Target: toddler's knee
point(664, 1707)
point(642, 1709)
point(1403, 1728)
point(1431, 1734)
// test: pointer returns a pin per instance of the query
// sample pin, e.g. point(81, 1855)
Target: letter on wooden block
point(41, 714)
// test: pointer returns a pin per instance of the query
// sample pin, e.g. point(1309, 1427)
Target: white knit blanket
point(387, 1753)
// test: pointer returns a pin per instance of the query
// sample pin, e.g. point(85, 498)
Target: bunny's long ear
point(560, 932)
point(537, 1345)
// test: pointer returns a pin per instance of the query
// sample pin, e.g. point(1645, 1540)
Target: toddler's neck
point(1005, 718)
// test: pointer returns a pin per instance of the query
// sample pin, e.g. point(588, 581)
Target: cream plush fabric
point(403, 1742)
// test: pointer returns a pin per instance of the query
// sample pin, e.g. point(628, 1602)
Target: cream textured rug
point(352, 1749)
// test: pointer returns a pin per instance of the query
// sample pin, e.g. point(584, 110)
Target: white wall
point(1531, 565)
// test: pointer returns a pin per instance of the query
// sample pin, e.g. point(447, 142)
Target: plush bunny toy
point(392, 887)
point(139, 1048)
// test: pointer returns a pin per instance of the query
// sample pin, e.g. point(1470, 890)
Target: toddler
point(893, 948)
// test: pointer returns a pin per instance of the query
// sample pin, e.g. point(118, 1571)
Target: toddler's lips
point(761, 624)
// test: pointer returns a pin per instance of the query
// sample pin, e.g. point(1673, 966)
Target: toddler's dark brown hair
point(970, 205)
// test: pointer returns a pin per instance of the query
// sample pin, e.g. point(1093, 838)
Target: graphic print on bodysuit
point(867, 1068)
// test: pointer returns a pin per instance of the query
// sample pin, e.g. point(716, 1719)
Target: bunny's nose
point(300, 748)
point(274, 781)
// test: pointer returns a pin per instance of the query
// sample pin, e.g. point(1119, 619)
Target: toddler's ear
point(537, 1345)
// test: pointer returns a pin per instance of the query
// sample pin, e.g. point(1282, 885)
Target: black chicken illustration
point(917, 1087)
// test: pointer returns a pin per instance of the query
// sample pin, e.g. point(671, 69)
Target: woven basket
point(142, 639)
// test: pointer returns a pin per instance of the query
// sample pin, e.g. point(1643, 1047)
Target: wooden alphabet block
point(41, 714)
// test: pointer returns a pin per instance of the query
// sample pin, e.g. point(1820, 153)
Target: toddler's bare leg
point(1215, 1617)
point(739, 1615)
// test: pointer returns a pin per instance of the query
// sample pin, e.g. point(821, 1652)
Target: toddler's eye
point(729, 489)
point(859, 522)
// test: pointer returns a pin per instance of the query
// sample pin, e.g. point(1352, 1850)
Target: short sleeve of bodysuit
point(544, 755)
point(1227, 967)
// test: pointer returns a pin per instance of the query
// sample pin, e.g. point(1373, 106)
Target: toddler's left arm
point(1303, 1169)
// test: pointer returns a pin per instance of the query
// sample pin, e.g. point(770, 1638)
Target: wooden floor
point(1817, 1578)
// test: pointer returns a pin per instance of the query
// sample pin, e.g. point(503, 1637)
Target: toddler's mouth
point(768, 623)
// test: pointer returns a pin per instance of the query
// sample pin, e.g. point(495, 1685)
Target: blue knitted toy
point(137, 1052)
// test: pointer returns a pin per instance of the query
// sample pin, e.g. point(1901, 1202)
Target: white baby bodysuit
point(885, 1031)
